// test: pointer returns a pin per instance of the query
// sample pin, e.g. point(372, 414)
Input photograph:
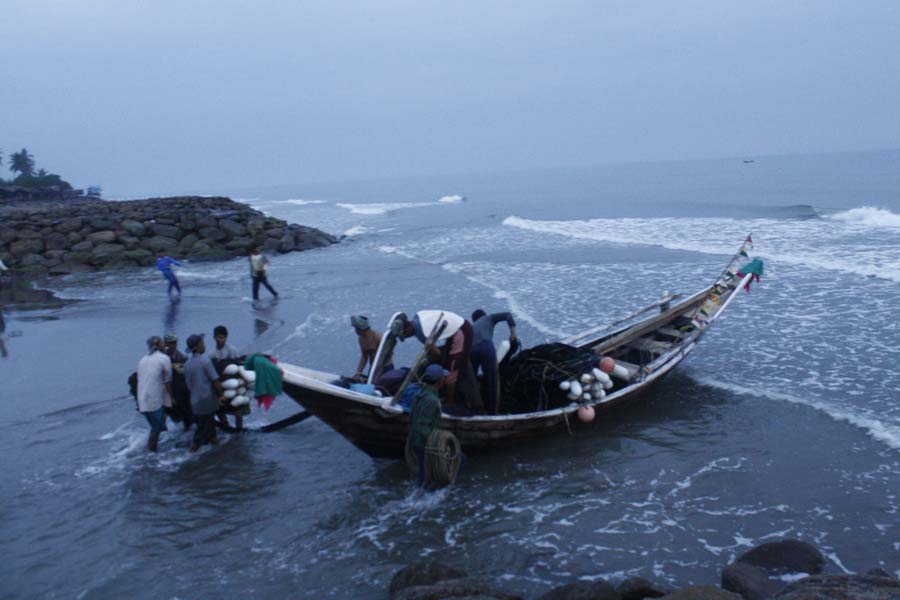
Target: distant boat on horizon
point(746, 161)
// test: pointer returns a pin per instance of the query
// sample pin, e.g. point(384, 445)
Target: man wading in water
point(164, 263)
point(206, 392)
point(154, 389)
point(259, 262)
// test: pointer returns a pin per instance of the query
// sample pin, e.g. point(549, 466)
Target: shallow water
point(783, 422)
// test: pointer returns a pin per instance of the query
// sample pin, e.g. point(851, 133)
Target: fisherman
point(453, 353)
point(259, 263)
point(484, 355)
point(224, 350)
point(426, 414)
point(164, 263)
point(181, 398)
point(369, 340)
point(206, 391)
point(154, 389)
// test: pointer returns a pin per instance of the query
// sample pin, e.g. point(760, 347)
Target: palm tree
point(21, 162)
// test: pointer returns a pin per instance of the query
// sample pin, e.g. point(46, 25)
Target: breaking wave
point(868, 216)
point(383, 208)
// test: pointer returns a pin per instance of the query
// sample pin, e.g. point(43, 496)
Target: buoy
point(241, 391)
point(572, 396)
point(598, 374)
point(587, 397)
point(229, 394)
point(231, 384)
point(231, 370)
point(608, 384)
point(620, 372)
point(240, 401)
point(607, 364)
point(249, 376)
point(586, 378)
point(586, 414)
point(565, 385)
point(576, 388)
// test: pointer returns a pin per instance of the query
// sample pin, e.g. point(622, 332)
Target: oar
point(300, 416)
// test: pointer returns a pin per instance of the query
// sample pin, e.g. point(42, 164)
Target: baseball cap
point(434, 373)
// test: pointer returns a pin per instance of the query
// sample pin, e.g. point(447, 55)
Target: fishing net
point(530, 380)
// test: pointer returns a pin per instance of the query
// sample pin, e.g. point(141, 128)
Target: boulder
point(56, 241)
point(232, 228)
point(188, 241)
point(878, 572)
point(155, 244)
point(287, 244)
point(30, 260)
point(76, 258)
point(102, 224)
point(751, 582)
point(638, 588)
point(102, 237)
point(70, 225)
point(212, 233)
point(26, 233)
point(583, 590)
point(21, 248)
point(103, 253)
point(423, 573)
point(135, 228)
point(140, 256)
point(240, 244)
point(85, 246)
point(457, 589)
point(169, 231)
point(785, 556)
point(842, 587)
point(73, 238)
point(7, 235)
point(275, 232)
point(271, 245)
point(129, 241)
point(702, 592)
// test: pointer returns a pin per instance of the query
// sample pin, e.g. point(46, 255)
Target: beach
point(782, 423)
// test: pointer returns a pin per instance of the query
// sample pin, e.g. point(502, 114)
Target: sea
point(783, 423)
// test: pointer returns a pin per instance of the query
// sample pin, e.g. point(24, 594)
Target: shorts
point(157, 419)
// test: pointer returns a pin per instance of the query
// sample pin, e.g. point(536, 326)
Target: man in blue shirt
point(164, 263)
point(202, 380)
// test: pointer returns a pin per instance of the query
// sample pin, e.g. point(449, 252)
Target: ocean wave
point(796, 243)
point(302, 202)
point(887, 433)
point(383, 208)
point(356, 230)
point(868, 216)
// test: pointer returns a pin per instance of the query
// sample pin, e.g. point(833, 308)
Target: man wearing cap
point(369, 339)
point(154, 389)
point(203, 382)
point(181, 398)
point(426, 413)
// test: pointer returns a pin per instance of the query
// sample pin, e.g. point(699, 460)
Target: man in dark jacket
point(426, 414)
point(484, 354)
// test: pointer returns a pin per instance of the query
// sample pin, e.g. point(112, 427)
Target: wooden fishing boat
point(645, 349)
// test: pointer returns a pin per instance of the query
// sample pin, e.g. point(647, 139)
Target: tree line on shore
point(22, 165)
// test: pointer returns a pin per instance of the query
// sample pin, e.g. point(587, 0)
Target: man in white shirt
point(154, 388)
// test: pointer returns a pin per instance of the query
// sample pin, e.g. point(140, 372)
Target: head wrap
point(359, 322)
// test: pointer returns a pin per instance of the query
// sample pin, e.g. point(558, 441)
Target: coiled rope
point(443, 457)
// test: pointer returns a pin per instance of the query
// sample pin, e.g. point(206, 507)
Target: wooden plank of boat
point(648, 325)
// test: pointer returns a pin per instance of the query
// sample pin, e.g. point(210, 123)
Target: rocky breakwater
point(92, 236)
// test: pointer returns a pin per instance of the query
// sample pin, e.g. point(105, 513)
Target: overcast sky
point(153, 97)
